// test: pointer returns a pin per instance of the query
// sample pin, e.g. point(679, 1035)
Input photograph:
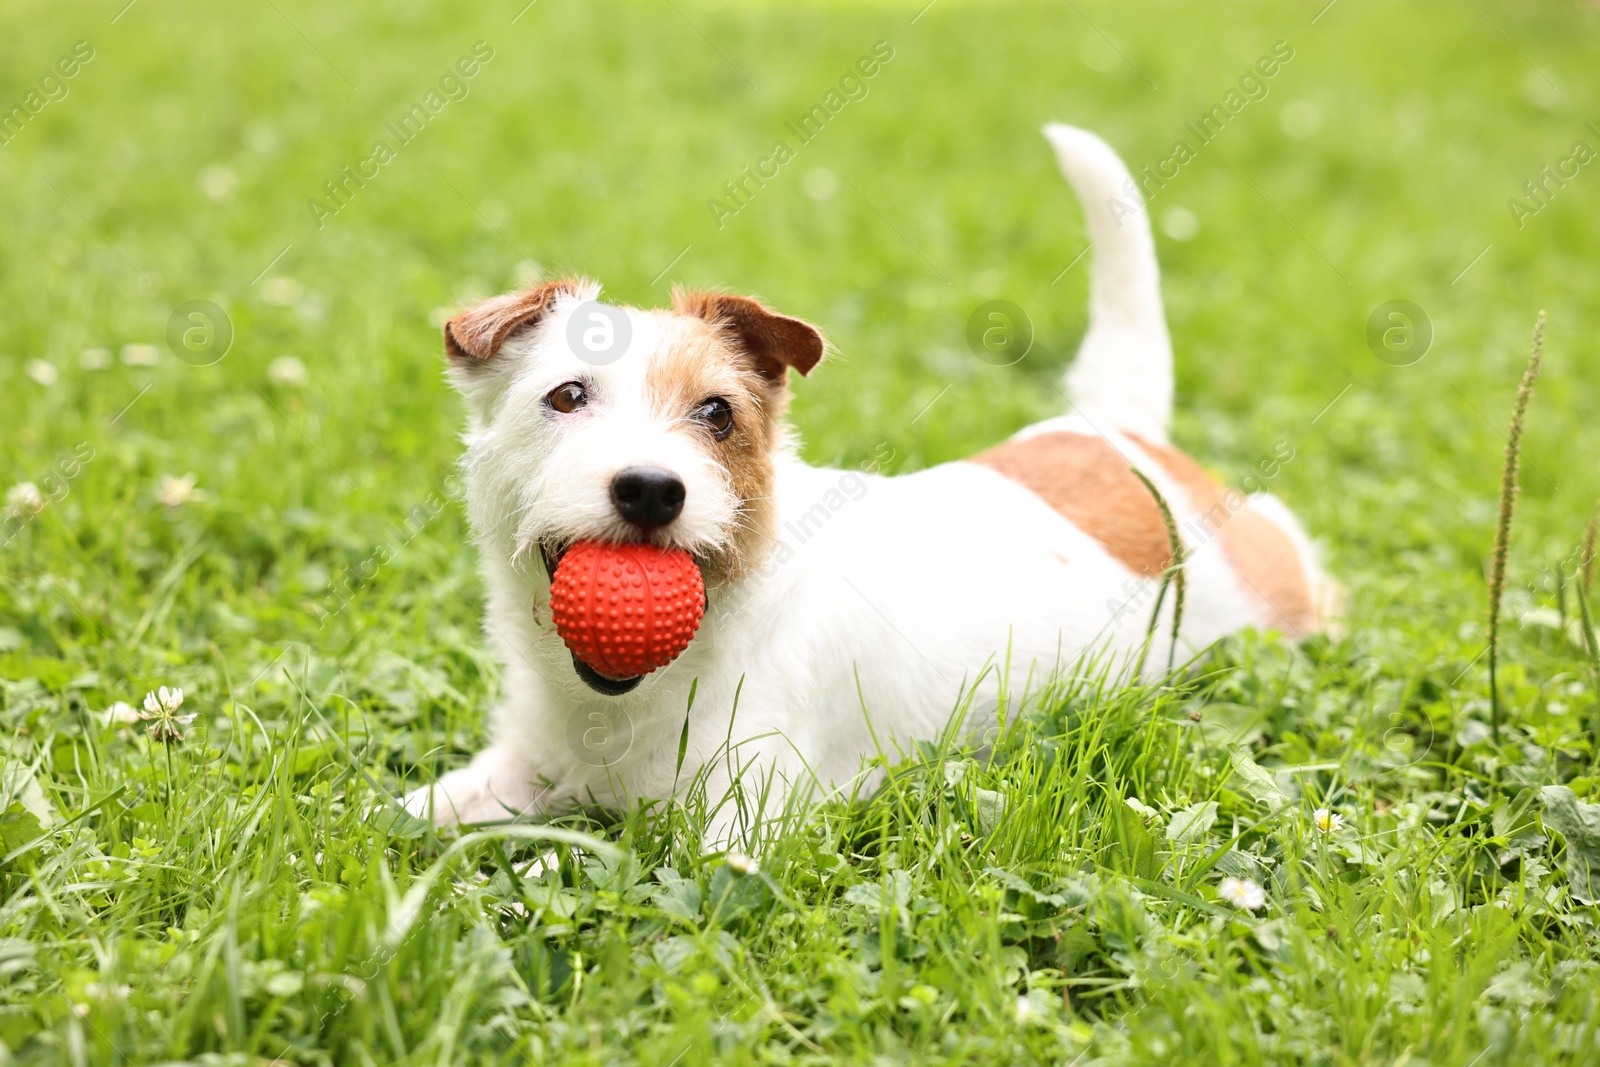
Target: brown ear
point(477, 333)
point(777, 342)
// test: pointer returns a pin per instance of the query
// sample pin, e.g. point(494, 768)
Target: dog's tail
point(1123, 373)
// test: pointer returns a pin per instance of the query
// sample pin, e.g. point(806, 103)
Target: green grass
point(231, 899)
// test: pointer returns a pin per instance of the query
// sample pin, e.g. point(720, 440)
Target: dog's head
point(592, 421)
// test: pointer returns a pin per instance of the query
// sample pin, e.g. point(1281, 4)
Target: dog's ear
point(476, 334)
point(776, 342)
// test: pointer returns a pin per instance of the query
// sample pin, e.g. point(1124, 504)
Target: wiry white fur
point(1123, 373)
point(885, 604)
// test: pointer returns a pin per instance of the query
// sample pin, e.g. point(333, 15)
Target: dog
point(846, 611)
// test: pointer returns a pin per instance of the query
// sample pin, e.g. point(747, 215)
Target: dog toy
point(626, 609)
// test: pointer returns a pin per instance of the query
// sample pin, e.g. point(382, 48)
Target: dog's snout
point(648, 497)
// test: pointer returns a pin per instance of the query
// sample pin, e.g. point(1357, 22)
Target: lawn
point(220, 370)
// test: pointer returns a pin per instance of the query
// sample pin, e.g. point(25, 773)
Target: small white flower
point(218, 182)
point(281, 290)
point(1327, 821)
point(176, 492)
point(820, 183)
point(95, 358)
point(163, 699)
point(745, 865)
point(288, 372)
point(1180, 224)
point(1300, 118)
point(140, 355)
point(122, 712)
point(1242, 893)
point(24, 500)
point(161, 712)
point(42, 372)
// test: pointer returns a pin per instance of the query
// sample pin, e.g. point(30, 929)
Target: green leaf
point(677, 895)
point(1579, 823)
point(1021, 886)
point(1133, 847)
point(894, 893)
point(1191, 823)
point(1255, 781)
point(1146, 812)
point(18, 826)
point(991, 806)
point(683, 736)
point(395, 821)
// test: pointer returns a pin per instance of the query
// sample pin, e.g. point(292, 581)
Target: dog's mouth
point(551, 552)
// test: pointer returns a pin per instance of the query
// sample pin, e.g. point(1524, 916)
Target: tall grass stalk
point(1586, 559)
point(1591, 645)
point(1173, 575)
point(1508, 505)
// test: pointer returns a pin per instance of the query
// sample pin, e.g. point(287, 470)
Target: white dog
point(847, 612)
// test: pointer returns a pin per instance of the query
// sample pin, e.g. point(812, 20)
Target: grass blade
point(1508, 504)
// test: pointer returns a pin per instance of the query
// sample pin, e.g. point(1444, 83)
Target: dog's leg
point(495, 787)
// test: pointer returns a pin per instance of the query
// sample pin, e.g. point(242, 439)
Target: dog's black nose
point(647, 496)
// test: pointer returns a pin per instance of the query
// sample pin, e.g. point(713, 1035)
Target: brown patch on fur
point(696, 362)
point(777, 342)
point(1261, 553)
point(1088, 481)
point(477, 333)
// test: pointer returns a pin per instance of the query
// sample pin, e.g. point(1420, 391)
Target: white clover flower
point(1180, 224)
point(176, 492)
point(95, 358)
point(745, 865)
point(281, 290)
point(1327, 821)
point(24, 500)
point(1242, 893)
point(163, 699)
point(122, 712)
point(161, 712)
point(218, 182)
point(43, 372)
point(141, 355)
point(288, 372)
point(820, 183)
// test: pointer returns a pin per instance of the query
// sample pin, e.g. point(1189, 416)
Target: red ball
point(626, 609)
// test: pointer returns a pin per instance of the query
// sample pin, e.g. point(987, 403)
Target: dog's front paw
point(492, 788)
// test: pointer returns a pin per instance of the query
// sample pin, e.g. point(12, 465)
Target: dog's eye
point(567, 398)
point(716, 415)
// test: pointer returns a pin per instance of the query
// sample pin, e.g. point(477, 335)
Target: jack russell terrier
point(913, 600)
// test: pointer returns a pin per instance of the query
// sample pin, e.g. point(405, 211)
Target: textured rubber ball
point(626, 609)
